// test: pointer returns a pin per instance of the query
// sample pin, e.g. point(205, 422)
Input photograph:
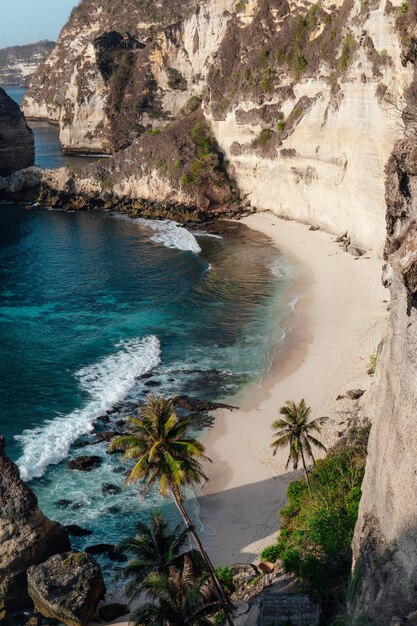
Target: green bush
point(270, 553)
point(404, 7)
point(225, 575)
point(349, 46)
point(265, 136)
point(317, 528)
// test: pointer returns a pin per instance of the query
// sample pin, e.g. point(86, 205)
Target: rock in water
point(110, 612)
point(27, 537)
point(67, 587)
point(17, 149)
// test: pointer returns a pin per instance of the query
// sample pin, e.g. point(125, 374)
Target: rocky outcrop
point(27, 537)
point(17, 149)
point(385, 541)
point(67, 587)
point(19, 63)
point(178, 173)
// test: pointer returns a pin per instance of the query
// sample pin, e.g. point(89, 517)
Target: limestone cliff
point(18, 63)
point(16, 138)
point(299, 95)
point(385, 542)
point(27, 537)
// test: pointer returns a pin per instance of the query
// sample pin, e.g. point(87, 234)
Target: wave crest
point(107, 381)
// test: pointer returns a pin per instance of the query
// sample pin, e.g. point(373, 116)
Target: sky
point(27, 21)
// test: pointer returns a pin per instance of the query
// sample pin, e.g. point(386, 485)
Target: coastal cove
point(96, 312)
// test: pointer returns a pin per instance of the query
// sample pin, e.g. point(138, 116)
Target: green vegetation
point(154, 549)
point(264, 137)
point(294, 431)
point(403, 7)
point(153, 131)
point(281, 125)
point(225, 575)
point(317, 525)
point(207, 160)
point(241, 6)
point(163, 449)
point(372, 364)
point(106, 183)
point(178, 597)
point(348, 48)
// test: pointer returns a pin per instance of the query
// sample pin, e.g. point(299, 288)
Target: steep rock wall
point(299, 95)
point(385, 541)
point(17, 149)
point(144, 87)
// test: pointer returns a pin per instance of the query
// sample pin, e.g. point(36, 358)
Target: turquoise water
point(89, 303)
point(96, 311)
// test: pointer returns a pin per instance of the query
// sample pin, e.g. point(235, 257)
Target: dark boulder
point(67, 587)
point(110, 612)
point(99, 548)
point(78, 531)
point(63, 502)
point(106, 435)
point(355, 394)
point(109, 489)
point(85, 463)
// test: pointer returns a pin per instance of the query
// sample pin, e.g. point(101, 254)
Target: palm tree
point(294, 430)
point(166, 454)
point(179, 598)
point(154, 549)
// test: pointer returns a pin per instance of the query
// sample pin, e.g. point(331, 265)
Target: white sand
point(340, 321)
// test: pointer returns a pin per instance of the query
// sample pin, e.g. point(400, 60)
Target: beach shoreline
point(338, 324)
point(325, 353)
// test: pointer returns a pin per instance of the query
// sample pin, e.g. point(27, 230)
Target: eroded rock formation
point(17, 149)
point(385, 542)
point(67, 587)
point(27, 537)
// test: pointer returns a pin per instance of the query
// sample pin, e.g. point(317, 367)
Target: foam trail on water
point(107, 381)
point(172, 235)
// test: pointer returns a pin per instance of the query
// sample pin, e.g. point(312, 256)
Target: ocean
point(97, 311)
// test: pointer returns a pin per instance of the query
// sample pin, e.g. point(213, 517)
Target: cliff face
point(18, 63)
point(299, 96)
point(17, 149)
point(27, 537)
point(385, 542)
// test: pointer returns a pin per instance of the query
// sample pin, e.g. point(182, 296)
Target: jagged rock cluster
point(35, 559)
point(18, 63)
point(17, 149)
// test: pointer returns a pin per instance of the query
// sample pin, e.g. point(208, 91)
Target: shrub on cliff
point(317, 527)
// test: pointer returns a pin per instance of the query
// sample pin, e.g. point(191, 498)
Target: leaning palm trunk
point(216, 583)
point(305, 468)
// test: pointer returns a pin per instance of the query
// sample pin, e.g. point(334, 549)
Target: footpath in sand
point(340, 320)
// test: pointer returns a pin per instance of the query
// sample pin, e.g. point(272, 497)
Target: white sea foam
point(172, 235)
point(107, 381)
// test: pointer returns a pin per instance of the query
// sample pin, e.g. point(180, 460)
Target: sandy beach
point(339, 323)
